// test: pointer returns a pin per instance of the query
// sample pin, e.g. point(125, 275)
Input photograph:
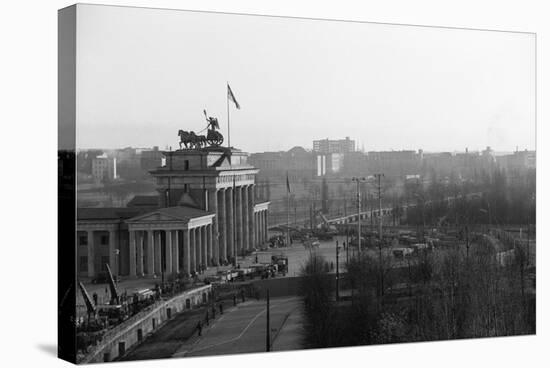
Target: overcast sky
point(143, 74)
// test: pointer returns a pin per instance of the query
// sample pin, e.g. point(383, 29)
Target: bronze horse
point(191, 140)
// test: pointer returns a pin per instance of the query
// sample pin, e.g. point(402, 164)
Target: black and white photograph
point(234, 183)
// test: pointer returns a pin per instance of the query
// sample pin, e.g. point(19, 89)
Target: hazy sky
point(142, 74)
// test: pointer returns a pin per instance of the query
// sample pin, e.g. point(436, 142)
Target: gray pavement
point(242, 329)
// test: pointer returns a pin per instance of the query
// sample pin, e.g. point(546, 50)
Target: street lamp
point(358, 181)
point(337, 272)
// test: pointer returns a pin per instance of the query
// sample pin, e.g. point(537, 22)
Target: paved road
point(243, 329)
point(298, 254)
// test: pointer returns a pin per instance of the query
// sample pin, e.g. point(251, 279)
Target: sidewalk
point(194, 340)
point(291, 334)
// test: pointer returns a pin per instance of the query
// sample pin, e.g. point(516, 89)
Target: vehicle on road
point(281, 261)
point(311, 243)
point(400, 253)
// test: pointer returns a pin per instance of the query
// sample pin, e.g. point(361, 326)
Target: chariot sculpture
point(190, 140)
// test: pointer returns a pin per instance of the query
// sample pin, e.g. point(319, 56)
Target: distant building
point(441, 162)
point(327, 146)
point(150, 160)
point(395, 163)
point(128, 163)
point(355, 164)
point(297, 162)
point(328, 164)
point(103, 168)
point(84, 160)
point(519, 160)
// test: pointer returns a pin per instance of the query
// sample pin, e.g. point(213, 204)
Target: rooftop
point(122, 213)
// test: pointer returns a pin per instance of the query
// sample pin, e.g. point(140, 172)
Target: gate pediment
point(154, 217)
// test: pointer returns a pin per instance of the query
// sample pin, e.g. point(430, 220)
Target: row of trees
point(446, 294)
point(497, 198)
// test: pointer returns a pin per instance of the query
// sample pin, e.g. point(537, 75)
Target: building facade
point(327, 146)
point(151, 159)
point(205, 215)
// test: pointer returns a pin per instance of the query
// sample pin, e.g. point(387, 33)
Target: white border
point(28, 87)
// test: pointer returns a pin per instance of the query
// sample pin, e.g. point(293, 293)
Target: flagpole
point(228, 131)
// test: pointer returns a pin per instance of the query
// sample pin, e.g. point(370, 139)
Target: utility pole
point(267, 331)
point(337, 273)
point(358, 181)
point(347, 247)
point(379, 177)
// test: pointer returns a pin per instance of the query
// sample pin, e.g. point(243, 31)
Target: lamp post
point(358, 181)
point(267, 331)
point(379, 178)
point(337, 273)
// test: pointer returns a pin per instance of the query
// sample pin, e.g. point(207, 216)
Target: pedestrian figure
point(221, 308)
point(95, 298)
point(234, 299)
point(199, 328)
point(207, 319)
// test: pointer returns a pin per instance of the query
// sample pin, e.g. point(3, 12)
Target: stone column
point(150, 253)
point(186, 253)
point(255, 230)
point(266, 224)
point(158, 253)
point(246, 221)
point(238, 220)
point(139, 253)
point(112, 252)
point(260, 228)
point(198, 248)
point(168, 251)
point(91, 253)
point(175, 251)
point(213, 249)
point(204, 246)
point(222, 226)
point(132, 253)
point(230, 223)
point(251, 222)
point(264, 234)
point(211, 256)
point(192, 249)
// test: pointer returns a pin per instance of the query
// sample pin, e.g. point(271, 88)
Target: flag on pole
point(287, 183)
point(231, 96)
